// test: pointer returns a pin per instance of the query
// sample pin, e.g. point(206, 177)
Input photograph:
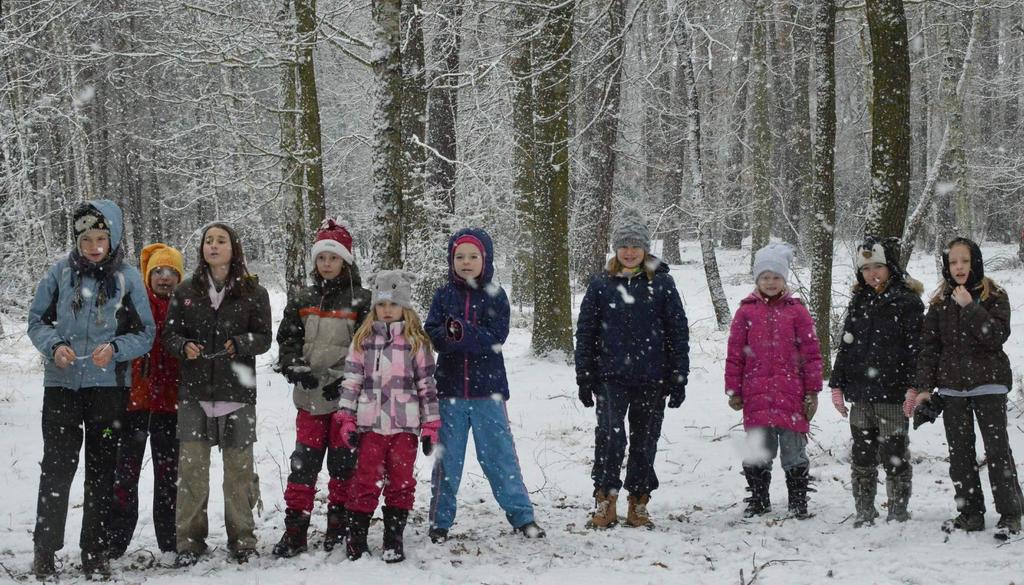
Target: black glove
point(454, 328)
point(428, 445)
point(332, 390)
point(586, 394)
point(676, 395)
point(299, 372)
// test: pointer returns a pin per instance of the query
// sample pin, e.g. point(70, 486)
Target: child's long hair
point(615, 267)
point(987, 286)
point(239, 278)
point(413, 330)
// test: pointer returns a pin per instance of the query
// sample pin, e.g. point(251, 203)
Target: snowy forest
point(809, 122)
point(727, 124)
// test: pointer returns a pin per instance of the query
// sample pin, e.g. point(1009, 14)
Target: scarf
point(104, 272)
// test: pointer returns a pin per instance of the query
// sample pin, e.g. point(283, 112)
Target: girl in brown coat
point(963, 360)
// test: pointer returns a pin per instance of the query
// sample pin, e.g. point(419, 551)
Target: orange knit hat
point(157, 255)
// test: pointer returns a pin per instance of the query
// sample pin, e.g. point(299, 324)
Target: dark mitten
point(586, 394)
point(332, 390)
point(676, 395)
point(428, 446)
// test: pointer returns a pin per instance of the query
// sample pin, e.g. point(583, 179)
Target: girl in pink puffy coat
point(773, 373)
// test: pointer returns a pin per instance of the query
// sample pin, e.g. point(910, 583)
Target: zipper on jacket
point(465, 358)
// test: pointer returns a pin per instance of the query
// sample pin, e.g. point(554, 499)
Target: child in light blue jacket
point(89, 319)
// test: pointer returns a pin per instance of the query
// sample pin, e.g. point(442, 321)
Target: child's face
point(329, 265)
point(770, 283)
point(162, 281)
point(468, 261)
point(875, 275)
point(960, 263)
point(94, 245)
point(388, 312)
point(217, 247)
point(630, 256)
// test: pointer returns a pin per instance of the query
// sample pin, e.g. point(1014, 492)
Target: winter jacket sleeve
point(912, 320)
point(139, 339)
point(838, 379)
point(352, 384)
point(990, 328)
point(42, 314)
point(489, 333)
point(677, 340)
point(931, 349)
point(435, 323)
point(810, 350)
point(175, 337)
point(257, 340)
point(426, 388)
point(736, 356)
point(291, 334)
point(588, 331)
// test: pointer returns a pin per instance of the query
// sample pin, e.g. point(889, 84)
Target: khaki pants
point(241, 492)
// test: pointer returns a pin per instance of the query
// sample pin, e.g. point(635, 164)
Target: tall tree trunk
point(890, 118)
point(388, 167)
point(822, 208)
point(936, 191)
point(735, 215)
point(704, 223)
point(761, 223)
point(443, 104)
point(552, 310)
point(798, 134)
point(601, 154)
point(309, 130)
point(425, 218)
point(292, 176)
point(524, 155)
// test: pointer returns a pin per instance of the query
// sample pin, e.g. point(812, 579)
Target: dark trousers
point(958, 417)
point(160, 430)
point(644, 407)
point(67, 416)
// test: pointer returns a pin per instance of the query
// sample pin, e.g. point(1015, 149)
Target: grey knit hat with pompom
point(631, 231)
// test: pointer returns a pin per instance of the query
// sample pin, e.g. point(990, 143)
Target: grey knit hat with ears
point(631, 231)
point(394, 286)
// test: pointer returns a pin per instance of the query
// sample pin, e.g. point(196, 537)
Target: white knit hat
point(775, 257)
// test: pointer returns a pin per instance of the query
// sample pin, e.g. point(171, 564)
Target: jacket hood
point(114, 218)
point(977, 264)
point(484, 239)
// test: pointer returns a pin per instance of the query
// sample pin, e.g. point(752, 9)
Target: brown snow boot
point(604, 515)
point(637, 516)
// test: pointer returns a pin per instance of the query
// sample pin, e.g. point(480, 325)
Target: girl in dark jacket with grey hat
point(963, 361)
point(632, 352)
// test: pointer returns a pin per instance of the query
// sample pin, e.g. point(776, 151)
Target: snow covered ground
point(700, 535)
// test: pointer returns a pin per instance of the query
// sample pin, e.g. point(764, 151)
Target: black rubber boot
point(337, 526)
point(293, 541)
point(394, 529)
point(358, 527)
point(95, 565)
point(864, 483)
point(759, 501)
point(43, 564)
point(899, 488)
point(797, 479)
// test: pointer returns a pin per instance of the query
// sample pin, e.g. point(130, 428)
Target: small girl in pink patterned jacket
point(388, 396)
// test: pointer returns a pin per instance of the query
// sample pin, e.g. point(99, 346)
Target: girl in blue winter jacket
point(468, 323)
point(90, 318)
point(632, 345)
